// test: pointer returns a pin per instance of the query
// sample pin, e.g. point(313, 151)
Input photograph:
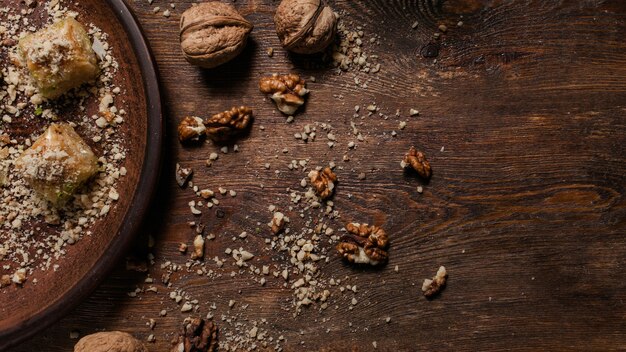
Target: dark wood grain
point(523, 119)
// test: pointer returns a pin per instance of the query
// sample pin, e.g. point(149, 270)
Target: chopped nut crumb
point(431, 288)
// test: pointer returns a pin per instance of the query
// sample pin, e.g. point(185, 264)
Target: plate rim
point(139, 205)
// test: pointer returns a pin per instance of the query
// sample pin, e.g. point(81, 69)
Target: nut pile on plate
point(62, 176)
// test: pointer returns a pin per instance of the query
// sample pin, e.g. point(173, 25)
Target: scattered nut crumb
point(430, 288)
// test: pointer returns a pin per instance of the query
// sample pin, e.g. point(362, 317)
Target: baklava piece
point(57, 164)
point(59, 57)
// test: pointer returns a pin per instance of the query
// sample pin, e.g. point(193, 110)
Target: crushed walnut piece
point(198, 247)
point(225, 125)
point(431, 288)
point(5, 280)
point(323, 181)
point(197, 335)
point(364, 244)
point(278, 222)
point(183, 175)
point(287, 91)
point(191, 129)
point(417, 161)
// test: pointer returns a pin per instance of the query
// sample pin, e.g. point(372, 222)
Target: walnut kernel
point(191, 128)
point(197, 335)
point(225, 125)
point(417, 161)
point(364, 244)
point(212, 33)
point(198, 247)
point(109, 341)
point(287, 91)
point(278, 222)
point(323, 181)
point(305, 26)
point(183, 175)
point(430, 288)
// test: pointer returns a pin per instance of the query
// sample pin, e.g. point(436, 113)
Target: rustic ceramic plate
point(26, 310)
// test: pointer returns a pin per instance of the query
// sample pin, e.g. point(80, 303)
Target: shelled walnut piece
point(225, 125)
point(197, 335)
point(364, 244)
point(191, 129)
point(287, 91)
point(183, 175)
point(198, 247)
point(212, 33)
point(324, 182)
point(279, 220)
point(305, 26)
point(417, 161)
point(111, 341)
point(430, 288)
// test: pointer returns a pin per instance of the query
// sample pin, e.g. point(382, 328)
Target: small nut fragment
point(305, 26)
point(198, 247)
point(183, 175)
point(430, 288)
point(288, 91)
point(191, 129)
point(364, 244)
point(323, 181)
point(109, 341)
point(197, 335)
point(278, 222)
point(225, 125)
point(212, 33)
point(417, 161)
point(5, 280)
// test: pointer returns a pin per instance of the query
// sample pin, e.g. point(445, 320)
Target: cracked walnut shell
point(417, 161)
point(225, 125)
point(197, 335)
point(191, 129)
point(109, 341)
point(364, 244)
point(323, 181)
point(287, 91)
point(305, 26)
point(431, 288)
point(212, 33)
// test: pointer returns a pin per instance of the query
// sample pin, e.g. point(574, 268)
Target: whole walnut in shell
point(212, 33)
point(305, 26)
point(111, 341)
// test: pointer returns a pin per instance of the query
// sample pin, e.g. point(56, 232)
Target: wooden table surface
point(523, 117)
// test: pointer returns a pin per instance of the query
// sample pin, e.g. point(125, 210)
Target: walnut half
point(417, 161)
point(324, 182)
point(225, 125)
point(287, 91)
point(197, 335)
point(364, 244)
point(430, 288)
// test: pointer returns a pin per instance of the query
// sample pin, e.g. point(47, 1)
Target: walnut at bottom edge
point(197, 335)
